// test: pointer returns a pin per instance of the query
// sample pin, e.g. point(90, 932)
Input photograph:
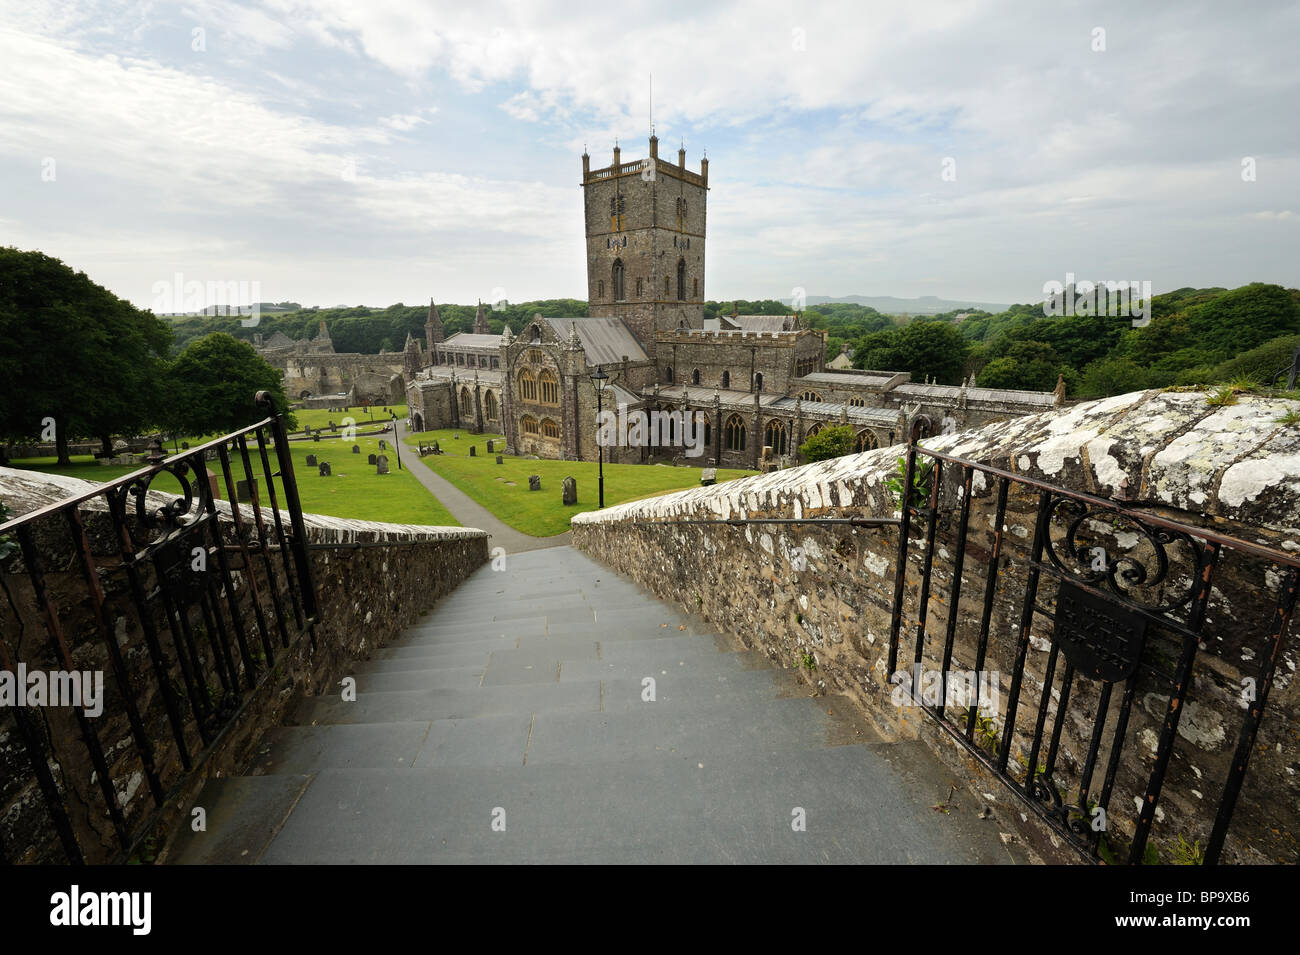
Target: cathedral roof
point(759, 323)
point(604, 340)
point(471, 340)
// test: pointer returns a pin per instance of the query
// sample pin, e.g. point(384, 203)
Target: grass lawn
point(503, 488)
point(354, 490)
point(320, 418)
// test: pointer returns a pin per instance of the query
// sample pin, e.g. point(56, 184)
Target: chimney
point(704, 169)
point(586, 164)
point(617, 160)
point(654, 146)
point(681, 156)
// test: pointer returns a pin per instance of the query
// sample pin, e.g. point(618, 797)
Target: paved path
point(512, 725)
point(468, 511)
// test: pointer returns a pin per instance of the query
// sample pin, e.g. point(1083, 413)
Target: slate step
point(739, 808)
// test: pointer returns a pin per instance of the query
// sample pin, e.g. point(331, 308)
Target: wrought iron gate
point(210, 591)
point(1116, 599)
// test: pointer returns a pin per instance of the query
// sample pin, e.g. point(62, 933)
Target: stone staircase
point(510, 726)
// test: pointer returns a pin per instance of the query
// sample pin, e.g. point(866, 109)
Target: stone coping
point(26, 491)
point(1151, 448)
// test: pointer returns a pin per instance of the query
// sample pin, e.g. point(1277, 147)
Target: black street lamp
point(397, 441)
point(601, 381)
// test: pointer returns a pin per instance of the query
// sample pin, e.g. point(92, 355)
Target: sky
point(372, 152)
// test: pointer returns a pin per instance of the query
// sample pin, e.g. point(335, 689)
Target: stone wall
point(373, 580)
point(827, 591)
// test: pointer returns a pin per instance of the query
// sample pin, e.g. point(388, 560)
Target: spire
point(506, 336)
point(480, 321)
point(574, 343)
point(433, 329)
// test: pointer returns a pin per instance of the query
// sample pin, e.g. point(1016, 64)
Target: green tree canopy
point(926, 349)
point(211, 386)
point(829, 442)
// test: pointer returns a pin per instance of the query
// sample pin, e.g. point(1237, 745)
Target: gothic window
point(535, 356)
point(681, 280)
point(618, 280)
point(527, 386)
point(549, 428)
point(496, 361)
point(810, 396)
point(490, 406)
point(668, 374)
point(774, 436)
point(726, 379)
point(638, 288)
point(466, 403)
point(537, 332)
point(695, 377)
point(528, 424)
point(758, 381)
point(600, 288)
point(708, 434)
point(857, 403)
point(550, 390)
point(813, 430)
point(734, 435)
point(866, 441)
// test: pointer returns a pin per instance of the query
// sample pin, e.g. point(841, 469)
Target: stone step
point(857, 806)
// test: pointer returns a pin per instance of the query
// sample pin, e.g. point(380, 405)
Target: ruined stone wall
point(827, 591)
point(373, 580)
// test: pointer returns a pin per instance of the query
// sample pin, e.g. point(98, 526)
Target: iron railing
point(212, 590)
point(1118, 599)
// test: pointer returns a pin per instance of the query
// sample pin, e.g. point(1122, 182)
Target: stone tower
point(645, 224)
point(481, 322)
point(433, 332)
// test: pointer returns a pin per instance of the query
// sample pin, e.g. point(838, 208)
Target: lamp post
point(601, 381)
point(397, 441)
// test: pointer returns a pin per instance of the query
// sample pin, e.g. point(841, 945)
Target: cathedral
point(756, 385)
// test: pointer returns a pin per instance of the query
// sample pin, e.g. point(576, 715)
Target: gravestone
point(381, 464)
point(185, 445)
point(333, 426)
point(499, 460)
point(490, 447)
point(311, 460)
point(534, 482)
point(456, 437)
point(371, 459)
point(325, 469)
point(709, 476)
point(315, 435)
point(570, 491)
point(246, 490)
point(383, 445)
point(356, 449)
point(471, 452)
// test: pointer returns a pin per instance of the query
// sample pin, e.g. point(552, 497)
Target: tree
point(74, 358)
point(831, 442)
point(1111, 376)
point(1024, 366)
point(926, 349)
point(211, 385)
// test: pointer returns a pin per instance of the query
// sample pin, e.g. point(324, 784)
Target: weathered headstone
point(383, 445)
point(570, 491)
point(311, 460)
point(356, 449)
point(471, 451)
point(500, 460)
point(491, 448)
point(381, 464)
point(246, 490)
point(315, 435)
point(325, 469)
point(371, 459)
point(534, 482)
point(709, 476)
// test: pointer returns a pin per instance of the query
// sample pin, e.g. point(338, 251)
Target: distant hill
point(924, 305)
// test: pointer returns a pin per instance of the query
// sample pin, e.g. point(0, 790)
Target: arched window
point(618, 280)
point(857, 403)
point(528, 424)
point(813, 430)
point(527, 385)
point(537, 334)
point(866, 441)
point(809, 396)
point(758, 381)
point(600, 288)
point(775, 437)
point(734, 433)
point(490, 406)
point(466, 403)
point(726, 379)
point(535, 356)
point(549, 388)
point(681, 280)
point(550, 429)
point(708, 434)
point(695, 377)
point(668, 374)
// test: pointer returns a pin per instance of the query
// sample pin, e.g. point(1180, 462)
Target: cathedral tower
point(645, 223)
